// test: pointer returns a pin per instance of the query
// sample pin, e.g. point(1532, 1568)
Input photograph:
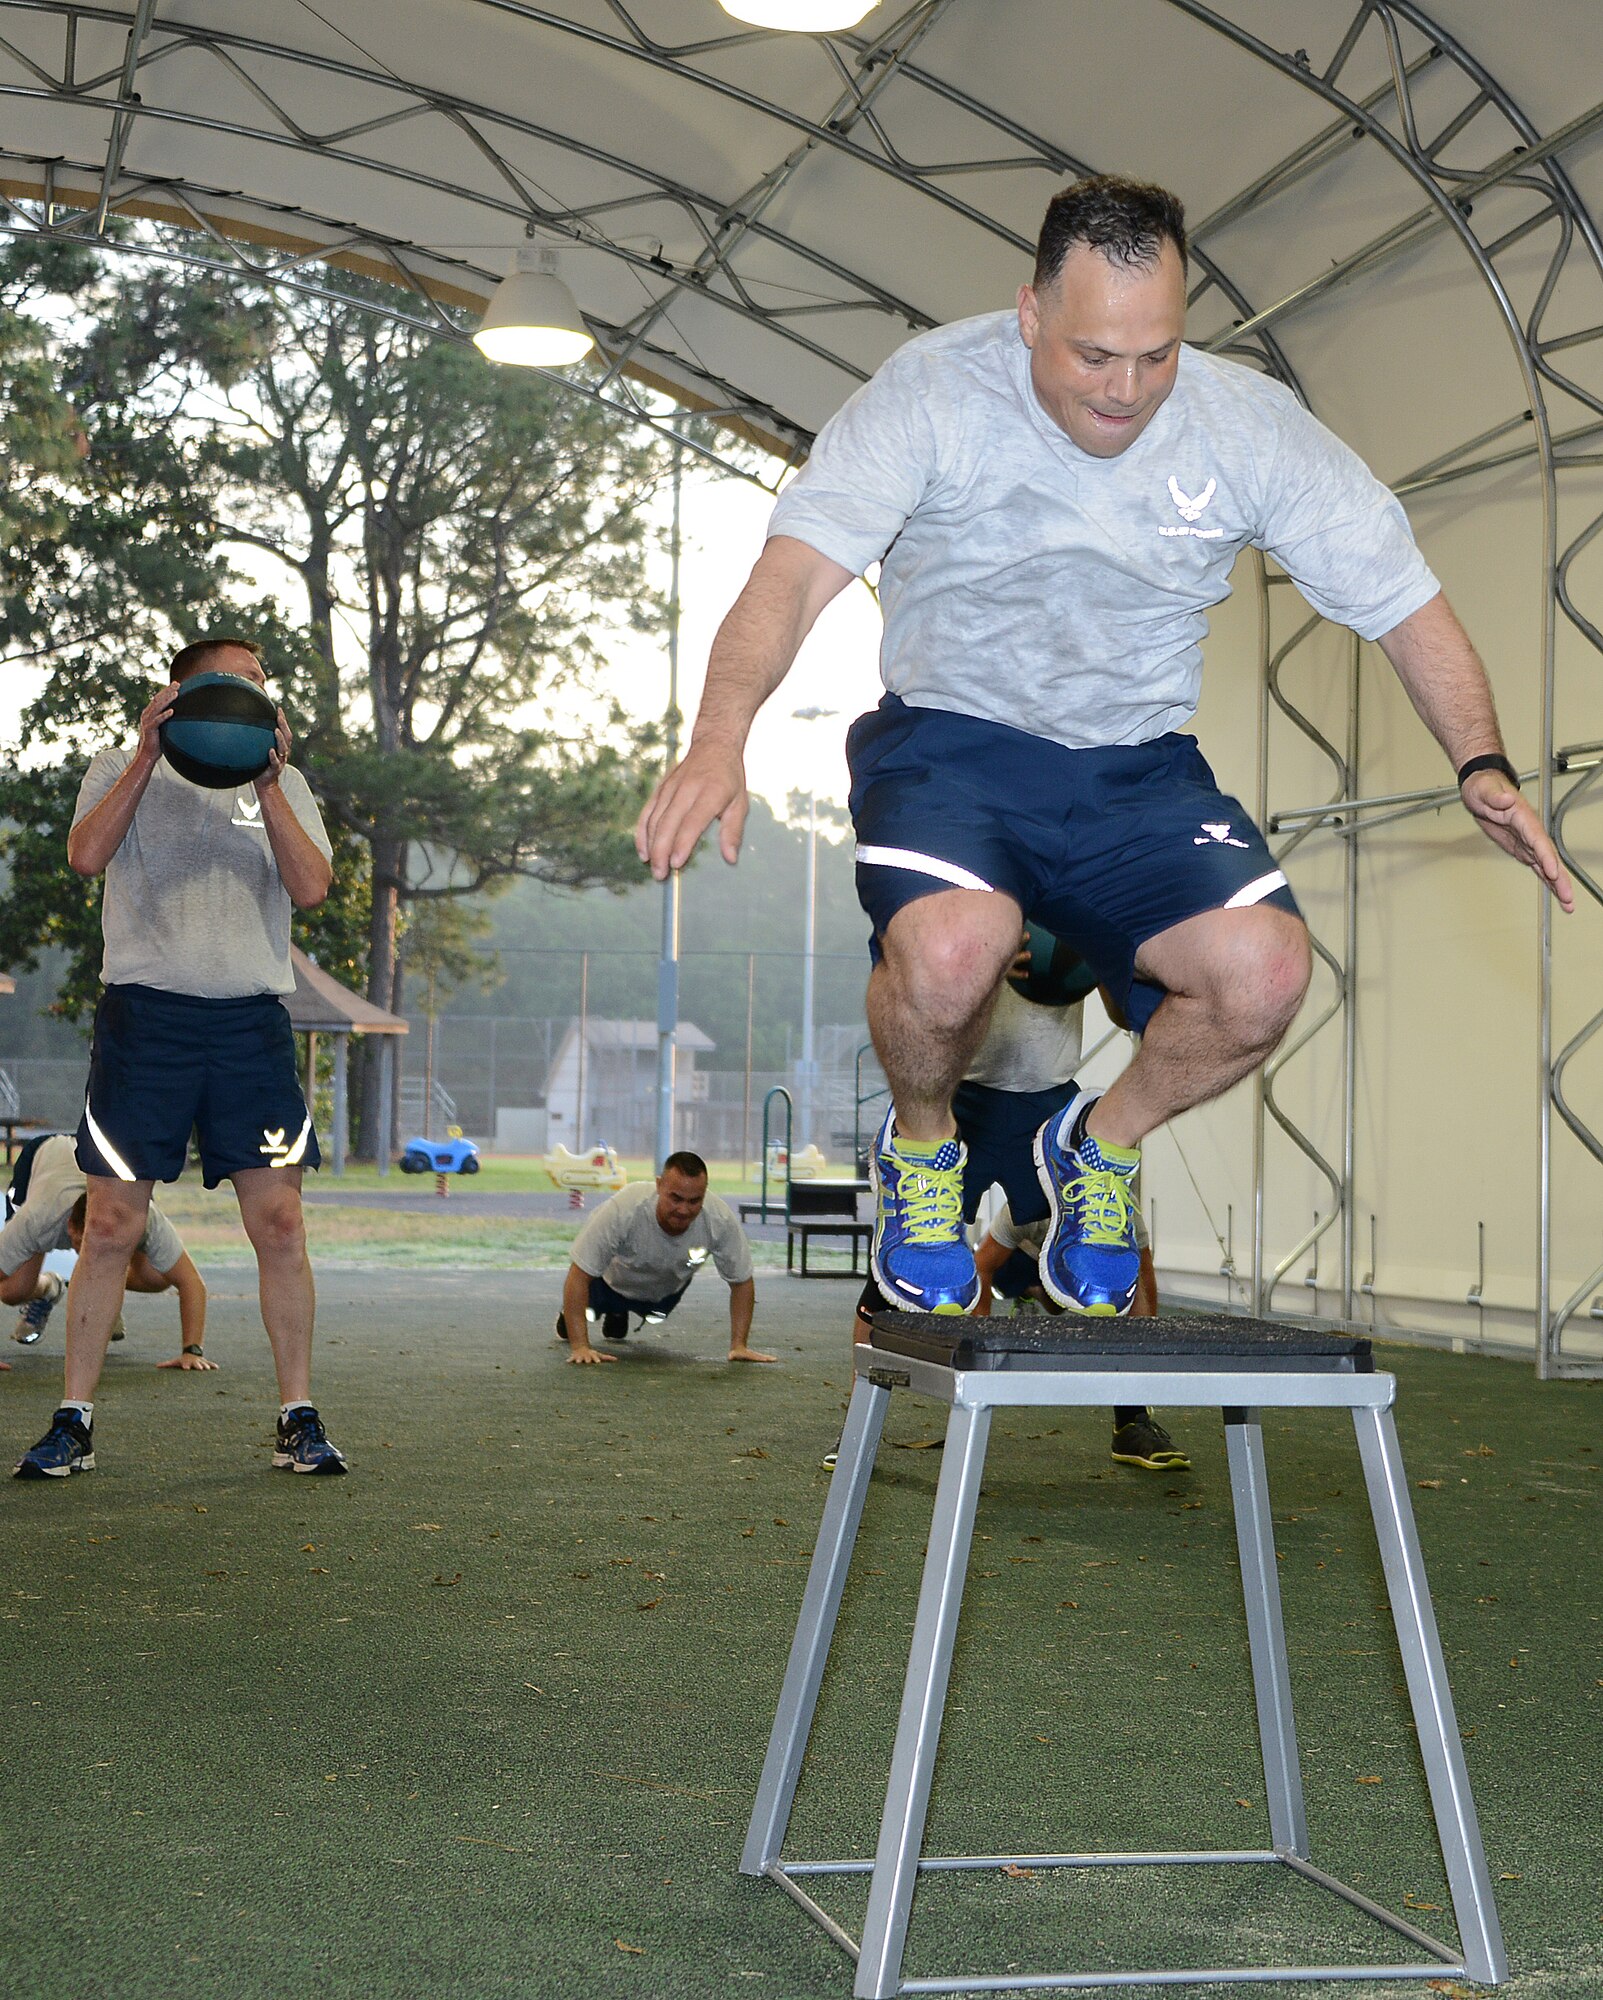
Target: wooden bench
point(804, 1232)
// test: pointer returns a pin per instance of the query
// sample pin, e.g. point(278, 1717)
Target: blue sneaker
point(920, 1259)
point(1089, 1262)
point(303, 1444)
point(65, 1448)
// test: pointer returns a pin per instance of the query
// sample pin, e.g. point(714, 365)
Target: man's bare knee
point(1262, 974)
point(276, 1225)
point(114, 1220)
point(947, 952)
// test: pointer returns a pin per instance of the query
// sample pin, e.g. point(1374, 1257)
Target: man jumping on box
point(1056, 495)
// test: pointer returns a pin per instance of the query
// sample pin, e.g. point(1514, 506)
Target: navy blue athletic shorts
point(165, 1064)
point(603, 1299)
point(998, 1129)
point(1104, 847)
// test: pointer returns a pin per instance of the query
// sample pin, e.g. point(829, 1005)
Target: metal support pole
point(584, 1044)
point(1349, 974)
point(807, 1071)
point(745, 1109)
point(668, 963)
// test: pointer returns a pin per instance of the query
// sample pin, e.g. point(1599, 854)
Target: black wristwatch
point(192, 1349)
point(1494, 760)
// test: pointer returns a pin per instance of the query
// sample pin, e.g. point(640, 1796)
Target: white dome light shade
point(800, 17)
point(533, 320)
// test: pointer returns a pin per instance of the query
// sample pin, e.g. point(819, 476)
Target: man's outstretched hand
point(1510, 820)
point(708, 784)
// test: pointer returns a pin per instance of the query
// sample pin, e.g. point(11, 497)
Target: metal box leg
point(1266, 1632)
point(815, 1627)
point(940, 1598)
point(1426, 1673)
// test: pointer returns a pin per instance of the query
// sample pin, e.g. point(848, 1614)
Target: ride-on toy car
point(455, 1155)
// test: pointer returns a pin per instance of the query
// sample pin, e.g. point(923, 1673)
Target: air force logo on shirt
point(247, 812)
point(1191, 510)
point(698, 1255)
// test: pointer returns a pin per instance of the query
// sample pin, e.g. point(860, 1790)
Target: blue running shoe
point(303, 1444)
point(1089, 1262)
point(65, 1448)
point(920, 1259)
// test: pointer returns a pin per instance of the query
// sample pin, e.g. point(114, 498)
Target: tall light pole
point(807, 1068)
point(668, 962)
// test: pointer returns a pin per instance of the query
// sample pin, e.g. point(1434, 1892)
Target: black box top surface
point(1039, 1338)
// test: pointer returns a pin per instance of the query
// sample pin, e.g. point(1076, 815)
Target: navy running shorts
point(165, 1064)
point(603, 1299)
point(1105, 847)
point(998, 1129)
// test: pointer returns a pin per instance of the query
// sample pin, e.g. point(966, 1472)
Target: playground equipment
point(597, 1168)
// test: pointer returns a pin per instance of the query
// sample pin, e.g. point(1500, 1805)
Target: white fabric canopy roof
point(757, 220)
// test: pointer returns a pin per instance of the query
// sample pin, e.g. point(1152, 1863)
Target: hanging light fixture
point(800, 17)
point(533, 320)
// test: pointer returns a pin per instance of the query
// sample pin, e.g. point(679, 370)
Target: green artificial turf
point(486, 1717)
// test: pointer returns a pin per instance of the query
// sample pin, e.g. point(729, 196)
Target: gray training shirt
point(40, 1225)
point(194, 902)
point(624, 1245)
point(1029, 583)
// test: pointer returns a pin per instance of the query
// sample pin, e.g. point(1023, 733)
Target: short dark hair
point(691, 1165)
point(1127, 221)
point(192, 659)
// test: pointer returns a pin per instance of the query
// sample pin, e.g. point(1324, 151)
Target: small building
point(602, 1085)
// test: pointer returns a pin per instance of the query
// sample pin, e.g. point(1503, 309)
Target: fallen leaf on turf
point(1368, 1781)
point(1433, 1484)
point(308, 1548)
point(1410, 1904)
point(1069, 1604)
point(755, 1452)
point(638, 1950)
point(1243, 1802)
point(1451, 1988)
point(448, 1582)
point(922, 1444)
point(427, 1526)
point(1511, 1878)
point(650, 1604)
point(1017, 1873)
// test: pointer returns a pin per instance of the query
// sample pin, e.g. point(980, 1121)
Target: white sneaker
point(31, 1321)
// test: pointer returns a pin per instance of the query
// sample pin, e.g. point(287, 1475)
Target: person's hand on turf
point(278, 756)
point(708, 784)
point(1508, 819)
point(581, 1355)
point(750, 1354)
point(156, 713)
point(187, 1361)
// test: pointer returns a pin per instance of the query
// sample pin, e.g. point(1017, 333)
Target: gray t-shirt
point(1029, 583)
point(40, 1225)
point(1027, 1046)
point(194, 902)
point(624, 1245)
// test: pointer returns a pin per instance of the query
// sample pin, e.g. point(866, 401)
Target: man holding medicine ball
point(201, 870)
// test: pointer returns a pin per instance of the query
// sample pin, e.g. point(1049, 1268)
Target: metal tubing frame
point(1417, 52)
point(1238, 1391)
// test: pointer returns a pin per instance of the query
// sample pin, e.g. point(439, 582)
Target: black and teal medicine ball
point(1058, 976)
point(220, 731)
